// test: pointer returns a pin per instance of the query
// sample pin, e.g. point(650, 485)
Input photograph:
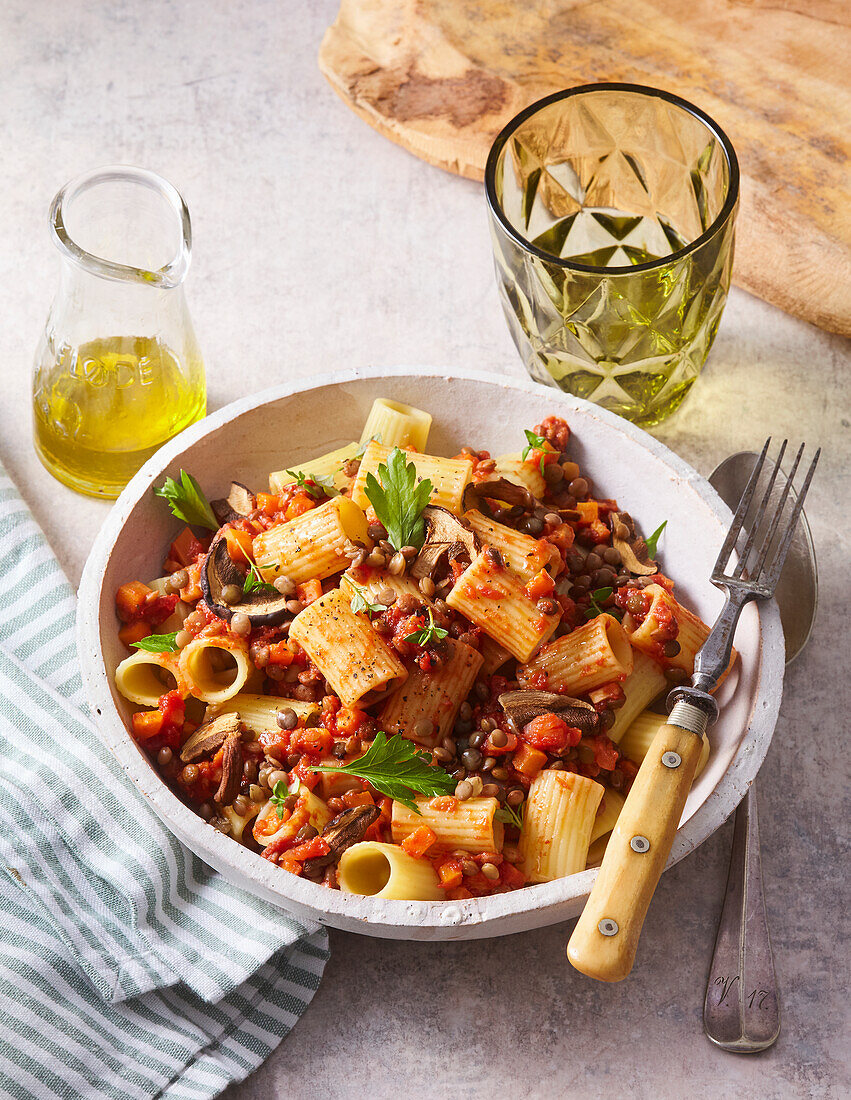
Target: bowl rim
point(551, 901)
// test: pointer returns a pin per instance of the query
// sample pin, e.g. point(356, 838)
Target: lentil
point(427, 587)
point(353, 745)
point(409, 552)
point(190, 774)
point(442, 755)
point(205, 810)
point(464, 790)
point(510, 854)
point(177, 580)
point(547, 606)
point(472, 758)
point(284, 585)
point(611, 555)
point(671, 648)
point(397, 565)
point(240, 624)
point(571, 471)
point(386, 595)
point(515, 796)
point(377, 531)
point(306, 832)
point(255, 792)
point(376, 559)
point(449, 745)
point(476, 782)
point(423, 729)
point(240, 805)
point(499, 773)
point(490, 790)
point(277, 777)
point(592, 562)
point(469, 868)
point(249, 770)
point(295, 606)
point(164, 756)
point(553, 473)
point(477, 738)
point(490, 872)
point(578, 488)
point(488, 763)
point(499, 739)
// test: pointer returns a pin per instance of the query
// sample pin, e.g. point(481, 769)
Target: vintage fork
point(605, 938)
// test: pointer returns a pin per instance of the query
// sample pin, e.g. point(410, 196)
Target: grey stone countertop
point(318, 244)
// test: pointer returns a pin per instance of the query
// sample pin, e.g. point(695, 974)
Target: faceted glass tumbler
point(612, 211)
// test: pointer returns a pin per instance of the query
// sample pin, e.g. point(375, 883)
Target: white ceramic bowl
point(287, 424)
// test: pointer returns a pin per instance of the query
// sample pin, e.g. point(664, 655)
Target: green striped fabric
point(128, 968)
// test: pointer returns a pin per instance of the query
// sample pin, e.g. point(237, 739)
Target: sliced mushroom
point(522, 706)
point(631, 547)
point(209, 738)
point(341, 833)
point(477, 493)
point(238, 502)
point(232, 763)
point(444, 533)
point(263, 608)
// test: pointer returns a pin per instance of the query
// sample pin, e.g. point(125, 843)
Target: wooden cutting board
point(441, 78)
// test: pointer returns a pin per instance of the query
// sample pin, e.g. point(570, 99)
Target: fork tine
point(778, 515)
point(741, 512)
point(780, 556)
point(760, 513)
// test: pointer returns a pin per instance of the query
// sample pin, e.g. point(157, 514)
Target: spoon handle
point(741, 1012)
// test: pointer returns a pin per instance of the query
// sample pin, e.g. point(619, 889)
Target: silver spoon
point(741, 1011)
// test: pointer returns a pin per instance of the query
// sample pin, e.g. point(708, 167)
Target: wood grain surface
point(441, 78)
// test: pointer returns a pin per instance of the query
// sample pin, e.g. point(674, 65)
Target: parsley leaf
point(653, 541)
point(361, 603)
point(509, 816)
point(429, 634)
point(254, 582)
point(395, 768)
point(399, 500)
point(597, 598)
point(158, 643)
point(280, 793)
point(359, 453)
point(316, 485)
point(187, 502)
point(535, 443)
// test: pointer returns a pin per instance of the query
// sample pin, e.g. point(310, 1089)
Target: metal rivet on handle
point(608, 927)
point(640, 844)
point(671, 759)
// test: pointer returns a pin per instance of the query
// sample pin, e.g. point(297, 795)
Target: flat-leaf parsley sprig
point(158, 643)
point(254, 582)
point(535, 443)
point(395, 768)
point(187, 502)
point(653, 541)
point(398, 500)
point(359, 601)
point(598, 598)
point(315, 484)
point(429, 634)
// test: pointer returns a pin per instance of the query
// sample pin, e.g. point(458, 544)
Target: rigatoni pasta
point(560, 814)
point(425, 707)
point(312, 546)
point(593, 654)
point(352, 657)
point(493, 597)
point(403, 701)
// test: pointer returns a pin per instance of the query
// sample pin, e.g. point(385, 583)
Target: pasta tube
point(353, 658)
point(493, 654)
point(239, 821)
point(494, 599)
point(269, 826)
point(378, 579)
point(396, 425)
point(560, 812)
point(215, 669)
point(311, 545)
point(330, 465)
point(637, 740)
point(607, 814)
point(259, 712)
point(513, 468)
point(640, 688)
point(377, 870)
point(449, 476)
point(424, 709)
point(471, 824)
point(525, 555)
point(144, 677)
point(649, 635)
point(595, 653)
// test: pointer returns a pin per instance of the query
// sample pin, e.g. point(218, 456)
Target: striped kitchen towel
point(128, 968)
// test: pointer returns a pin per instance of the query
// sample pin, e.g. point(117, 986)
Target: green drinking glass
point(612, 211)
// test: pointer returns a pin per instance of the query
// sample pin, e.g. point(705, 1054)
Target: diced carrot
point(147, 724)
point(349, 720)
point(130, 600)
point(192, 592)
point(562, 536)
point(280, 654)
point(133, 632)
point(309, 591)
point(351, 799)
point(419, 841)
point(186, 548)
point(268, 503)
point(300, 503)
point(450, 874)
point(589, 516)
point(287, 864)
point(529, 761)
point(238, 545)
point(541, 584)
point(316, 740)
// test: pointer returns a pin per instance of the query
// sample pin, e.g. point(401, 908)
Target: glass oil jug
point(118, 371)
